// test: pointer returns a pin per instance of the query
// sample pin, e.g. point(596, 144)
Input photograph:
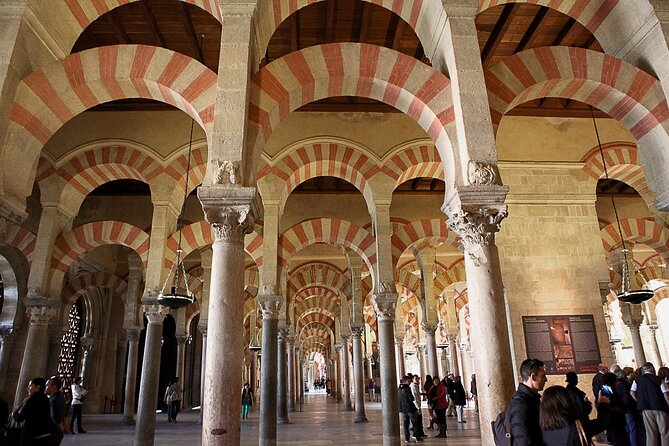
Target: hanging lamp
point(626, 294)
point(178, 293)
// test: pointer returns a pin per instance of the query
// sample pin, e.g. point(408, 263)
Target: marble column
point(181, 358)
point(633, 317)
point(422, 359)
point(385, 303)
point(131, 375)
point(148, 387)
point(270, 305)
point(203, 367)
point(477, 221)
point(282, 366)
point(655, 355)
point(229, 212)
point(337, 385)
point(345, 375)
point(87, 344)
point(431, 350)
point(358, 375)
point(7, 335)
point(443, 361)
point(399, 357)
point(370, 369)
point(290, 340)
point(453, 354)
point(40, 312)
point(120, 354)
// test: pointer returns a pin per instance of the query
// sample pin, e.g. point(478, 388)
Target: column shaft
point(282, 394)
point(399, 357)
point(270, 305)
point(637, 345)
point(389, 380)
point(345, 375)
point(181, 359)
point(431, 352)
point(337, 385)
point(358, 375)
point(6, 343)
point(291, 374)
point(131, 376)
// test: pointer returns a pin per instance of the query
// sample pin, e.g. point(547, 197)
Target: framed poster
point(564, 343)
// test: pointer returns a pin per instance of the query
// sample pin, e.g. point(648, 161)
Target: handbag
point(581, 434)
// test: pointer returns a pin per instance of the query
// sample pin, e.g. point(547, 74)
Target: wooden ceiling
point(502, 31)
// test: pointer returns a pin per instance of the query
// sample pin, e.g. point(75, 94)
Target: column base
point(362, 419)
point(129, 421)
point(347, 408)
point(283, 421)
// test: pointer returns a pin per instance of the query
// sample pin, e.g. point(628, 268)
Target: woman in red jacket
point(438, 397)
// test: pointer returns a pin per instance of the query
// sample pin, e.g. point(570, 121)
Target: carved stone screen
point(564, 343)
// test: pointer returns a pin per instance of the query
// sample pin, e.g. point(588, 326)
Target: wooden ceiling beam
point(564, 32)
point(153, 23)
point(119, 32)
point(391, 33)
point(295, 32)
point(330, 21)
point(590, 42)
point(531, 34)
point(497, 33)
point(398, 35)
point(190, 31)
point(364, 20)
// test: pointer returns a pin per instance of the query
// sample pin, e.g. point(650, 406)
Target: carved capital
point(476, 229)
point(429, 328)
point(132, 334)
point(357, 330)
point(12, 213)
point(229, 210)
point(270, 305)
point(41, 315)
point(385, 304)
point(225, 172)
point(181, 340)
point(155, 313)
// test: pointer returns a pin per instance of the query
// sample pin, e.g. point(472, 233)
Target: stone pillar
point(282, 394)
point(337, 386)
point(370, 369)
point(121, 353)
point(345, 374)
point(358, 376)
point(131, 375)
point(7, 335)
point(87, 344)
point(56, 335)
point(453, 354)
point(443, 362)
point(148, 387)
point(400, 366)
point(181, 358)
point(632, 317)
point(291, 372)
point(385, 302)
point(431, 349)
point(656, 358)
point(203, 368)
point(477, 218)
point(40, 312)
point(229, 212)
point(270, 305)
point(422, 359)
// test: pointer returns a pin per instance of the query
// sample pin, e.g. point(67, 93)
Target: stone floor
point(320, 423)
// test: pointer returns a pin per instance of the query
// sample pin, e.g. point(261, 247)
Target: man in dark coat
point(523, 410)
point(57, 404)
point(459, 397)
point(581, 403)
point(408, 409)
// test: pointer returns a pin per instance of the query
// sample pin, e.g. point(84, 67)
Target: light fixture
point(179, 294)
point(626, 294)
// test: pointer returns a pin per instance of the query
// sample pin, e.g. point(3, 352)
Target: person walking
point(581, 404)
point(415, 391)
point(648, 391)
point(523, 409)
point(78, 396)
point(459, 398)
point(173, 400)
point(408, 409)
point(247, 400)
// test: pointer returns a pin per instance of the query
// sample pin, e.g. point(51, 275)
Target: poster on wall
point(564, 343)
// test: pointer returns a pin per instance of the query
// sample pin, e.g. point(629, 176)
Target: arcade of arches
point(373, 187)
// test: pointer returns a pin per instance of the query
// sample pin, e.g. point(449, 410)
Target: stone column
point(443, 362)
point(86, 343)
point(422, 359)
point(654, 347)
point(270, 305)
point(477, 218)
point(229, 212)
point(385, 303)
point(282, 394)
point(400, 367)
point(431, 349)
point(40, 312)
point(358, 376)
point(121, 353)
point(181, 358)
point(203, 368)
point(148, 387)
point(370, 369)
point(632, 317)
point(290, 340)
point(56, 335)
point(337, 386)
point(453, 354)
point(345, 375)
point(7, 335)
point(131, 375)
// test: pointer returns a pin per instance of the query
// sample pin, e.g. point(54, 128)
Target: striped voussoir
point(90, 281)
point(411, 282)
point(251, 279)
point(622, 164)
point(434, 230)
point(414, 161)
point(318, 273)
point(450, 277)
point(318, 298)
point(638, 231)
point(21, 239)
point(316, 315)
point(316, 331)
point(409, 302)
point(369, 315)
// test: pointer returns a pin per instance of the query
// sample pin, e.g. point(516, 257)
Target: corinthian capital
point(385, 303)
point(270, 305)
point(477, 228)
point(155, 313)
point(229, 211)
point(357, 330)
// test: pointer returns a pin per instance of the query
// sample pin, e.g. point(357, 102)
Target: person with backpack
point(173, 400)
point(522, 414)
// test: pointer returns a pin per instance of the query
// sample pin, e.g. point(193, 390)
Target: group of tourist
point(632, 408)
point(41, 418)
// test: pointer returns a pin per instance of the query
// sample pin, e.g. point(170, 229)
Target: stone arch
point(73, 16)
point(70, 245)
point(85, 282)
point(327, 230)
point(449, 277)
point(331, 157)
point(425, 18)
point(318, 273)
point(631, 96)
point(410, 282)
point(413, 160)
point(21, 239)
point(320, 301)
point(429, 231)
point(51, 96)
point(322, 71)
point(10, 285)
point(176, 170)
point(315, 316)
point(637, 230)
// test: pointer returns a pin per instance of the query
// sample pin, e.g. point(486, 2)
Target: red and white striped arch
point(320, 299)
point(450, 277)
point(48, 98)
point(315, 330)
point(409, 304)
point(316, 316)
point(411, 282)
point(69, 18)
point(351, 69)
point(327, 230)
point(85, 282)
point(638, 231)
point(654, 273)
point(425, 17)
point(21, 239)
point(318, 159)
point(318, 273)
point(369, 315)
point(198, 235)
point(69, 246)
point(414, 161)
point(177, 170)
point(430, 231)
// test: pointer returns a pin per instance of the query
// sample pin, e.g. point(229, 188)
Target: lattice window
point(67, 362)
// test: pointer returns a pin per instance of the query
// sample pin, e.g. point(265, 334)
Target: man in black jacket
point(408, 409)
point(523, 410)
point(647, 391)
point(581, 404)
point(57, 405)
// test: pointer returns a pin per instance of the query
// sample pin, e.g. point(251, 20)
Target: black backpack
point(501, 430)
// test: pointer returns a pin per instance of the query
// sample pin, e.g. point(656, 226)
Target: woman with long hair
point(426, 387)
point(559, 421)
